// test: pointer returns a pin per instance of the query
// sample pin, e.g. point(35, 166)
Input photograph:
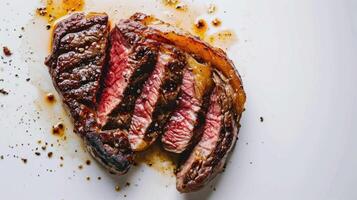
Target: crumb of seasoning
point(88, 162)
point(48, 27)
point(117, 188)
point(61, 157)
point(43, 148)
point(261, 119)
point(2, 157)
point(88, 178)
point(99, 178)
point(150, 164)
point(61, 164)
point(181, 7)
point(211, 8)
point(80, 167)
point(6, 51)
point(124, 195)
point(24, 160)
point(200, 24)
point(42, 11)
point(50, 97)
point(214, 188)
point(28, 79)
point(58, 129)
point(216, 22)
point(127, 184)
point(50, 154)
point(37, 153)
point(4, 92)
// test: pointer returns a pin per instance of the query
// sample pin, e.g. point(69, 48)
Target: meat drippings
point(56, 9)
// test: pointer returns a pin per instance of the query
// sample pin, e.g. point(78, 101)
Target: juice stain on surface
point(158, 159)
point(56, 9)
point(200, 28)
point(50, 98)
point(223, 39)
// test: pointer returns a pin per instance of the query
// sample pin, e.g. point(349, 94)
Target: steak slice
point(219, 136)
point(157, 99)
point(76, 65)
point(180, 129)
point(132, 58)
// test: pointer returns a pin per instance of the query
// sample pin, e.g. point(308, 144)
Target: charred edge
point(114, 153)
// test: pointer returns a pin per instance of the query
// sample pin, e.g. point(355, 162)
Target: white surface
point(298, 61)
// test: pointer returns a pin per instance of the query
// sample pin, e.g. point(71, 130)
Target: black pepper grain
point(6, 51)
point(50, 154)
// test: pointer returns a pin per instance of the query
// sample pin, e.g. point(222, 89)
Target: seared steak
point(143, 80)
point(219, 135)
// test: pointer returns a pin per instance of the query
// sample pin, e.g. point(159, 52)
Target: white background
point(298, 61)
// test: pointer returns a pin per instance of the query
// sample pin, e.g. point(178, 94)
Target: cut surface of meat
point(219, 135)
point(131, 61)
point(180, 129)
point(157, 99)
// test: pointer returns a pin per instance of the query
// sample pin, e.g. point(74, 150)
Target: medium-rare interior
point(145, 81)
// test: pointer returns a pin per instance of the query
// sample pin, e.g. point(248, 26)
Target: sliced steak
point(76, 65)
point(132, 58)
point(157, 99)
point(180, 129)
point(219, 136)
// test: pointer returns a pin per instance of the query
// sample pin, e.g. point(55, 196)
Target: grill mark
point(72, 75)
point(75, 23)
point(82, 38)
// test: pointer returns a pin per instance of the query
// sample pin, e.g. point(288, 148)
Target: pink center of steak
point(117, 78)
point(179, 130)
point(212, 127)
point(145, 104)
point(197, 169)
